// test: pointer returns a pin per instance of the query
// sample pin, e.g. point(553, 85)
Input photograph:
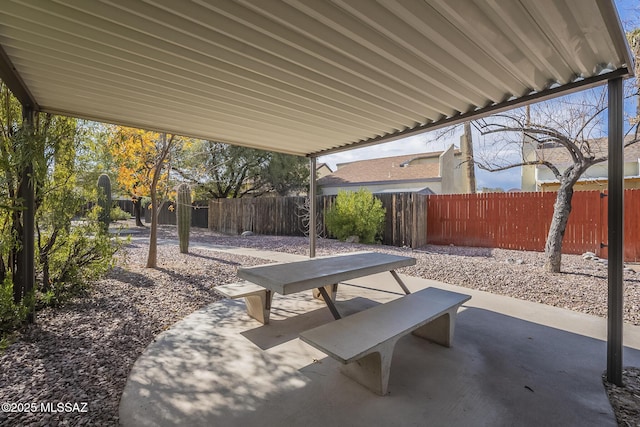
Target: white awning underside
point(302, 76)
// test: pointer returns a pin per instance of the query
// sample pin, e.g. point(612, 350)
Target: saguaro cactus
point(104, 200)
point(183, 216)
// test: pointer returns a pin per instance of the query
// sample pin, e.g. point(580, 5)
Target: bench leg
point(372, 371)
point(259, 306)
point(439, 330)
point(332, 290)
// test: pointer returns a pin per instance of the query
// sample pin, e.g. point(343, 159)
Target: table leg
point(400, 282)
point(330, 304)
point(332, 290)
point(259, 306)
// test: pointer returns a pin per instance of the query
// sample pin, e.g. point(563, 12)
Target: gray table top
point(298, 276)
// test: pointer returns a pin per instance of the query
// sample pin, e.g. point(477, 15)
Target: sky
point(629, 11)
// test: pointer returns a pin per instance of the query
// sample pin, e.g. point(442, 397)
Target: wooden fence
point(280, 216)
point(406, 219)
point(405, 223)
point(199, 215)
point(496, 220)
point(521, 221)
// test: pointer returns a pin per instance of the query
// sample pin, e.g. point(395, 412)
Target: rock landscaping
point(82, 353)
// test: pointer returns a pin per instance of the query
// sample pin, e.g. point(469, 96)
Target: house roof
point(384, 170)
point(323, 165)
point(304, 77)
point(560, 156)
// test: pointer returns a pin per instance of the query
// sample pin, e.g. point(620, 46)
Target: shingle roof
point(599, 147)
point(384, 169)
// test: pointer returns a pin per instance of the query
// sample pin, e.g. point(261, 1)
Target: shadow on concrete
point(289, 327)
point(218, 367)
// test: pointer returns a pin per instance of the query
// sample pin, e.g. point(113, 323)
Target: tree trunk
point(45, 275)
point(3, 270)
point(137, 208)
point(467, 156)
point(15, 255)
point(155, 207)
point(561, 211)
point(153, 238)
point(44, 257)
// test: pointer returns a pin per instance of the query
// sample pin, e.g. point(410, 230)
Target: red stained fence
point(521, 221)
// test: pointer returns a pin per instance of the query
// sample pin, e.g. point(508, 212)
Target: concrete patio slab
point(512, 362)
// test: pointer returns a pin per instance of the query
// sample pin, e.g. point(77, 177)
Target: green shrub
point(12, 315)
point(117, 214)
point(356, 214)
point(84, 253)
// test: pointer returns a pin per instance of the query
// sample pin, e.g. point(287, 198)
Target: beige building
point(323, 170)
point(540, 178)
point(431, 173)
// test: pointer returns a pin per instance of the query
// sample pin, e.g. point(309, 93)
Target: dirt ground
point(625, 400)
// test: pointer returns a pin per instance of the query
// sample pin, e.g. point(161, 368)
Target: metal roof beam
point(12, 79)
point(486, 111)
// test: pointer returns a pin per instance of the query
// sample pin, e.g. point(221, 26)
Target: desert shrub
point(81, 254)
point(356, 214)
point(12, 315)
point(117, 214)
point(68, 254)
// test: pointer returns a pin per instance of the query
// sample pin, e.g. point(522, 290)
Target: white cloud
point(409, 145)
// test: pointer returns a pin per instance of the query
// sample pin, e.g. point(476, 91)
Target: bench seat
point(256, 298)
point(364, 342)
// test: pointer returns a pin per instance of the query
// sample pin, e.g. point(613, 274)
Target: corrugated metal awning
point(302, 76)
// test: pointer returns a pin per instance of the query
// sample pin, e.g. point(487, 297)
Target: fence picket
point(504, 220)
point(405, 221)
point(521, 221)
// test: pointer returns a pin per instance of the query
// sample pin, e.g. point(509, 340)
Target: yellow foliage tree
point(144, 163)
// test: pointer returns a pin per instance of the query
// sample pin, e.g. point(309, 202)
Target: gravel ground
point(82, 353)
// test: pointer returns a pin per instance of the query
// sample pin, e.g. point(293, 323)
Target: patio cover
point(304, 77)
point(310, 77)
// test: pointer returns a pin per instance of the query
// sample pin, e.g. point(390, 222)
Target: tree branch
point(549, 165)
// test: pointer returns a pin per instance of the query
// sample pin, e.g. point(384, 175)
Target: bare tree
point(303, 211)
point(574, 125)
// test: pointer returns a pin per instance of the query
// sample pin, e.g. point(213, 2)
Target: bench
point(364, 342)
point(256, 298)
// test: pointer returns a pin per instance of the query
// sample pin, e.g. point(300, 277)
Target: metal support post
point(616, 237)
point(312, 207)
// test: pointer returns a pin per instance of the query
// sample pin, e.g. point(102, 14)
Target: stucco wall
point(451, 172)
point(535, 178)
point(596, 171)
point(600, 185)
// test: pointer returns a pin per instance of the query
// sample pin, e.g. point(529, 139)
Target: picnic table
point(363, 342)
point(322, 273)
